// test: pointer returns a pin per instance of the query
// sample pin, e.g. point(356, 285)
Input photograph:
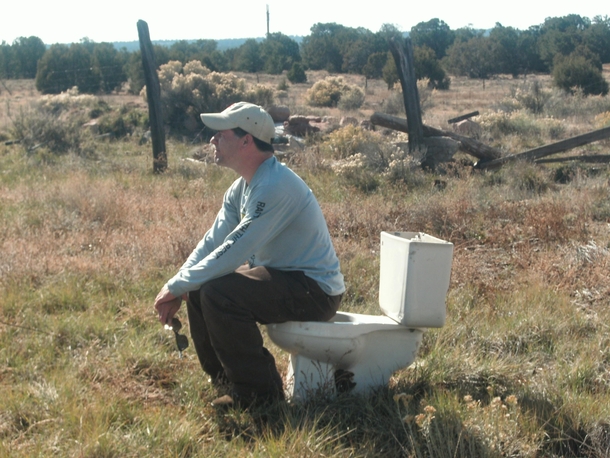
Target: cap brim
point(217, 121)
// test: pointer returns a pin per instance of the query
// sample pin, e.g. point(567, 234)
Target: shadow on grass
point(353, 425)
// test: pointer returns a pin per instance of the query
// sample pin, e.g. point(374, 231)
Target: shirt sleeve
point(226, 221)
point(267, 212)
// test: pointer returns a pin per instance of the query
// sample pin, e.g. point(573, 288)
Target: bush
point(603, 120)
point(518, 123)
point(187, 91)
point(296, 74)
point(364, 158)
point(575, 71)
point(123, 123)
point(564, 104)
point(351, 99)
point(329, 91)
point(37, 129)
point(532, 97)
point(54, 122)
point(350, 140)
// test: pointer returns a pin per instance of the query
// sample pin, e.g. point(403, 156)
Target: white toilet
point(355, 352)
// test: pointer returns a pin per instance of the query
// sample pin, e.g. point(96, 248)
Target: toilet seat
point(343, 325)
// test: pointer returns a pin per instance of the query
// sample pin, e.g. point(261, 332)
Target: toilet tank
point(414, 278)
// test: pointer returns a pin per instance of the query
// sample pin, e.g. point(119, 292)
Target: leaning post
point(153, 95)
point(402, 51)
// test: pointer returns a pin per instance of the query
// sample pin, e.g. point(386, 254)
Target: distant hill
point(223, 45)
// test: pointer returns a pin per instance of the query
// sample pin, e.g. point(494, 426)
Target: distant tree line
point(572, 48)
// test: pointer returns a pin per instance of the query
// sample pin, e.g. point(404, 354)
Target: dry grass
point(522, 367)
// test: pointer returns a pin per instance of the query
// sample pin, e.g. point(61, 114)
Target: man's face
point(226, 146)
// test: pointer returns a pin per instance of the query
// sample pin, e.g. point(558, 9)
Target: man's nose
point(214, 140)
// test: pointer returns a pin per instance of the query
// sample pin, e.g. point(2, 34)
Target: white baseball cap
point(247, 116)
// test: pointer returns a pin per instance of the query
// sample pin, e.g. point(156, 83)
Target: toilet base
point(309, 377)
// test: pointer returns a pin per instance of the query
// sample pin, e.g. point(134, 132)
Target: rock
point(300, 125)
point(468, 128)
point(279, 113)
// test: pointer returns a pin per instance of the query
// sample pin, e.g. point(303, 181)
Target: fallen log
point(463, 117)
point(591, 159)
point(547, 150)
point(470, 145)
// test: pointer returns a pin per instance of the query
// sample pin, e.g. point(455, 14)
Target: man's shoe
point(236, 401)
point(224, 402)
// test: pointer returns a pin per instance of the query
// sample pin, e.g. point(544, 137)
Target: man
point(268, 258)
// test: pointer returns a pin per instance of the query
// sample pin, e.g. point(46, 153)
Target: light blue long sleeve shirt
point(276, 222)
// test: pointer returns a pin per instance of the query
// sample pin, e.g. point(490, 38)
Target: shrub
point(564, 104)
point(282, 85)
point(520, 124)
point(575, 71)
point(54, 122)
point(187, 91)
point(602, 120)
point(351, 99)
point(350, 140)
point(329, 91)
point(390, 72)
point(325, 93)
point(296, 74)
point(70, 100)
point(531, 97)
point(354, 170)
point(363, 158)
point(524, 177)
point(123, 123)
point(38, 129)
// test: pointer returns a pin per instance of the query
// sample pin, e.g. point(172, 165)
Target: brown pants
point(223, 316)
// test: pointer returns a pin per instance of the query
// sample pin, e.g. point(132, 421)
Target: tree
point(248, 57)
point(561, 35)
point(388, 32)
point(52, 75)
point(374, 65)
point(435, 34)
point(279, 52)
point(109, 64)
point(576, 71)
point(597, 38)
point(5, 60)
point(297, 74)
point(321, 49)
point(427, 66)
point(26, 53)
point(62, 67)
point(466, 34)
point(472, 58)
point(81, 68)
point(505, 50)
point(528, 51)
point(389, 71)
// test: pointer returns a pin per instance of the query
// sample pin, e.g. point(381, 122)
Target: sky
point(69, 21)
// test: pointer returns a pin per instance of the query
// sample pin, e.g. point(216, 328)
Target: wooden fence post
point(153, 95)
point(402, 51)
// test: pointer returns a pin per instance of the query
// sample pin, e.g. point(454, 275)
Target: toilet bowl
point(355, 352)
point(352, 352)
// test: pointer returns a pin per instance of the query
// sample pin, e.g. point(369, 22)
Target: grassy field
point(522, 367)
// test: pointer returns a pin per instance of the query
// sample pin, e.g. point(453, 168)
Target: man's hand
point(166, 305)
